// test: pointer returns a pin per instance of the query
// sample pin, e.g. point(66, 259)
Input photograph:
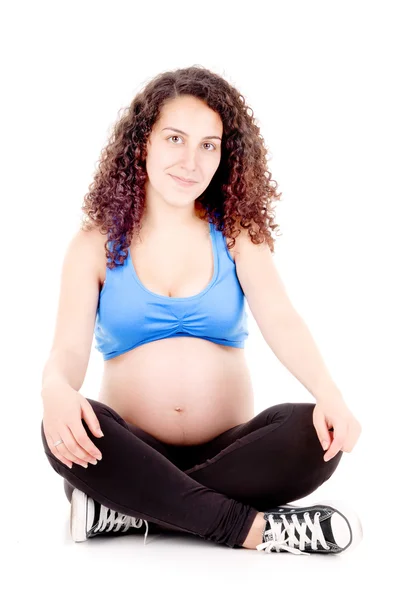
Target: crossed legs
point(214, 490)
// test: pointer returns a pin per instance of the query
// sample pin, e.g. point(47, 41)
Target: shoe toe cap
point(341, 530)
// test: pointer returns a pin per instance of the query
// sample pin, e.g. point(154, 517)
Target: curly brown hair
point(240, 192)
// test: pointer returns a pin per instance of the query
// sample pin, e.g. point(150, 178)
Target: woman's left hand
point(345, 429)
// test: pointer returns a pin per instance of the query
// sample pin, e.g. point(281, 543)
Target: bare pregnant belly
point(183, 391)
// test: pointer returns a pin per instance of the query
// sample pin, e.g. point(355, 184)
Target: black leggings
point(213, 490)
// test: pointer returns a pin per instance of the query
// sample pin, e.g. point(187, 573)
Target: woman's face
point(194, 154)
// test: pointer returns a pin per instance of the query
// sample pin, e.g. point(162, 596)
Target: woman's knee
point(304, 438)
point(292, 423)
point(105, 415)
point(287, 413)
point(102, 409)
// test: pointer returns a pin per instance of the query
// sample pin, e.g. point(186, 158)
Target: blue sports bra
point(128, 314)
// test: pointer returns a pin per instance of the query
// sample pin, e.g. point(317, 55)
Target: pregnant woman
point(178, 235)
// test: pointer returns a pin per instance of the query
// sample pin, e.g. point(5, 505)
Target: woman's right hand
point(64, 409)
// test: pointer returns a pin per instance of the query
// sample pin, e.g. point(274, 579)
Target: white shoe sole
point(81, 515)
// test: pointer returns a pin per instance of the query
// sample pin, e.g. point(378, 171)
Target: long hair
point(240, 194)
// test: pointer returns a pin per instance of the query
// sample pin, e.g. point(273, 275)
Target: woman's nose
point(189, 162)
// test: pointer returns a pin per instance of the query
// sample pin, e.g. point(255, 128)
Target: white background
point(321, 80)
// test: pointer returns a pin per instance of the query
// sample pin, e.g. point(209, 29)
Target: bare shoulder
point(99, 240)
point(245, 247)
point(240, 239)
point(96, 242)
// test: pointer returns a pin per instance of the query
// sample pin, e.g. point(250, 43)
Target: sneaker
point(321, 528)
point(89, 518)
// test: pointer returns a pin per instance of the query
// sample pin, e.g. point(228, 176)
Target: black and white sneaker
point(89, 518)
point(324, 528)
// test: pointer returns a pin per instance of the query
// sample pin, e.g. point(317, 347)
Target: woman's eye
point(178, 137)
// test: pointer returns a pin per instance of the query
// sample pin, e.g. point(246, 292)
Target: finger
point(322, 432)
point(84, 441)
point(64, 456)
point(91, 418)
point(48, 441)
point(68, 462)
point(56, 452)
point(324, 436)
point(336, 445)
point(71, 449)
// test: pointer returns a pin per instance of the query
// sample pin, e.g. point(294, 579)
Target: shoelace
point(108, 518)
point(283, 534)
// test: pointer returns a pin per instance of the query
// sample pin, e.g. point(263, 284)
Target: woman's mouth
point(183, 183)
